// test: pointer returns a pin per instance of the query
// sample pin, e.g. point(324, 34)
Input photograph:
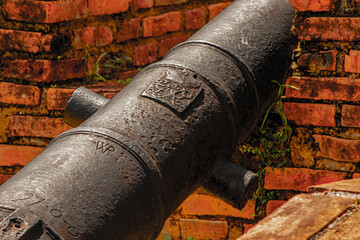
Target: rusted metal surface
point(123, 171)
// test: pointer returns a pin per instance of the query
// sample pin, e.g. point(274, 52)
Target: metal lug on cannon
point(232, 183)
point(82, 105)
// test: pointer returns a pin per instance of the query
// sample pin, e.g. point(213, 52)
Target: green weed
point(271, 147)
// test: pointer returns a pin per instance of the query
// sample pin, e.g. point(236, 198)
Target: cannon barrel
point(137, 157)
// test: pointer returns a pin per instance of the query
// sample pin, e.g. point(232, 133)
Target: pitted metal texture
point(136, 158)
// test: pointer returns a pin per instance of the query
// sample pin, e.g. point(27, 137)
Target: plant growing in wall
point(270, 146)
point(99, 68)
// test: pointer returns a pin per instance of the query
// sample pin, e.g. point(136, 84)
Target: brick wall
point(324, 112)
point(48, 47)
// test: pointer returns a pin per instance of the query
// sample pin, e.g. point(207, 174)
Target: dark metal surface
point(123, 171)
point(230, 182)
point(82, 105)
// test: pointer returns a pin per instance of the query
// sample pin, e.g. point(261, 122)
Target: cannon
point(131, 161)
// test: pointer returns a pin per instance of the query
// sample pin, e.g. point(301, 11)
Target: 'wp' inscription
point(104, 147)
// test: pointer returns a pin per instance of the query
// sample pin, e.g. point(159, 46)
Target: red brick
point(208, 205)
point(142, 3)
point(203, 229)
point(217, 8)
point(356, 175)
point(57, 98)
point(350, 116)
point(32, 42)
point(166, 44)
point(4, 178)
point(195, 18)
point(312, 5)
point(311, 114)
point(272, 205)
point(104, 7)
point(358, 5)
point(92, 36)
point(329, 29)
point(325, 61)
point(128, 74)
point(169, 2)
point(44, 70)
point(29, 126)
point(128, 30)
point(299, 179)
point(327, 88)
point(158, 25)
point(13, 155)
point(145, 54)
point(19, 94)
point(352, 62)
point(338, 149)
point(45, 11)
point(247, 227)
point(172, 228)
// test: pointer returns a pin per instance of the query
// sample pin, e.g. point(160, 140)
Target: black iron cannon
point(135, 158)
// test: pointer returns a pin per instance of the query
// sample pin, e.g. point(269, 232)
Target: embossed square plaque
point(173, 91)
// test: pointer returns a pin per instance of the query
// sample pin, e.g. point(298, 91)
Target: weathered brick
point(13, 155)
point(217, 8)
point(195, 18)
point(145, 54)
point(208, 205)
point(323, 60)
point(333, 165)
point(312, 5)
point(171, 227)
point(30, 126)
point(19, 94)
point(356, 175)
point(301, 217)
point(108, 6)
point(348, 185)
point(45, 11)
point(357, 5)
point(247, 227)
point(272, 205)
point(203, 229)
point(169, 2)
point(4, 178)
point(142, 3)
point(58, 97)
point(350, 116)
point(299, 179)
point(234, 231)
point(32, 42)
point(128, 30)
point(339, 149)
point(128, 74)
point(352, 62)
point(166, 44)
point(327, 88)
point(329, 29)
point(158, 25)
point(311, 114)
point(92, 36)
point(44, 70)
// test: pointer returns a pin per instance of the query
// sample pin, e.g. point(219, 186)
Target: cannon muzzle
point(134, 159)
